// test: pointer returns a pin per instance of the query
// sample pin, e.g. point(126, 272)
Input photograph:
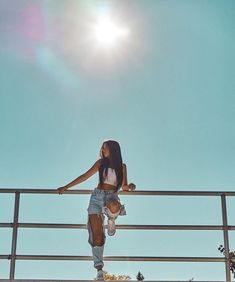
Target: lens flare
point(107, 33)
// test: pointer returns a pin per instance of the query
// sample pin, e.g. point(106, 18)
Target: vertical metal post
point(226, 239)
point(14, 235)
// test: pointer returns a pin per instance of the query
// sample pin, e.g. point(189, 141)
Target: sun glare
point(108, 34)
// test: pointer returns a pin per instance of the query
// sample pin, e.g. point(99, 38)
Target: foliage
point(140, 276)
point(231, 259)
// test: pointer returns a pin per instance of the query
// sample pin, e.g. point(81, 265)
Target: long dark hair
point(114, 161)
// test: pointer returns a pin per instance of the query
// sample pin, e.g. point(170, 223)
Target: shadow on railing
point(15, 225)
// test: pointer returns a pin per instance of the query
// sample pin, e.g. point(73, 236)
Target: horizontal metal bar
point(53, 280)
point(5, 256)
point(138, 192)
point(120, 226)
point(7, 225)
point(44, 191)
point(116, 258)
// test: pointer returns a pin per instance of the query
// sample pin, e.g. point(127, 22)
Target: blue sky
point(166, 94)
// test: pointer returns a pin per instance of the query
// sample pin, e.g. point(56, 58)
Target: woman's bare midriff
point(108, 187)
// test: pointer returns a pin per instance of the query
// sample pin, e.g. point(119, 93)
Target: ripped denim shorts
point(98, 200)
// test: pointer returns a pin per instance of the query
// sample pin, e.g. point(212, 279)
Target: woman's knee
point(114, 206)
point(98, 241)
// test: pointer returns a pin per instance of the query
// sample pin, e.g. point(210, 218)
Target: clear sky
point(166, 93)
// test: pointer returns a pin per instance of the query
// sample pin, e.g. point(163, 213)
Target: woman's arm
point(125, 185)
point(82, 177)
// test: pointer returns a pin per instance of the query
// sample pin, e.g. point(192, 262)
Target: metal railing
point(16, 224)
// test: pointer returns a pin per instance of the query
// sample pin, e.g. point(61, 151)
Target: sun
point(108, 34)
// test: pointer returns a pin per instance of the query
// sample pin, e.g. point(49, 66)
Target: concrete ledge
point(46, 280)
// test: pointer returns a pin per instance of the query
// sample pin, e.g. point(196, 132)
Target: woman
point(104, 199)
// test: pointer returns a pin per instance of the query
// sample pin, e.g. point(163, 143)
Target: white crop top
point(111, 177)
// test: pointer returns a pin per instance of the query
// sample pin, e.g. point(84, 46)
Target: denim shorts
point(99, 199)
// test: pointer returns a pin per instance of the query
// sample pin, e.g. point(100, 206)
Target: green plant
point(140, 276)
point(231, 259)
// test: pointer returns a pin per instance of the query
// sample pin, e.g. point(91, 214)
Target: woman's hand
point(61, 189)
point(130, 187)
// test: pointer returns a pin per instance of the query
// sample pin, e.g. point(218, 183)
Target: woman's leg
point(96, 239)
point(112, 210)
point(96, 223)
point(113, 205)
